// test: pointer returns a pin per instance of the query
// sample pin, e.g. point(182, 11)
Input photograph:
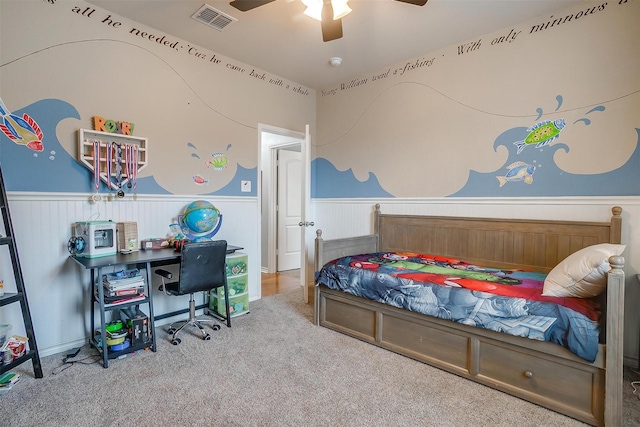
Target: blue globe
point(201, 219)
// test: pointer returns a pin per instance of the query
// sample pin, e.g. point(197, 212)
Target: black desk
point(155, 257)
point(142, 260)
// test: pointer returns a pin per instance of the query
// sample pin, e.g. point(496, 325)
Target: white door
point(286, 138)
point(289, 209)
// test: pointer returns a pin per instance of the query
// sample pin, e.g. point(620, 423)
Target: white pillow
point(582, 274)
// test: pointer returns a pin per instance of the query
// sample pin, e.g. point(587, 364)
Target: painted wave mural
point(53, 169)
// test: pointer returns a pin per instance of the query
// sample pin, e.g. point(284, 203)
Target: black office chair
point(202, 268)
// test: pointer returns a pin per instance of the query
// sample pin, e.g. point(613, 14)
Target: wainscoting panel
point(58, 289)
point(339, 218)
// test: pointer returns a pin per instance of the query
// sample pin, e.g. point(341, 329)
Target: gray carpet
point(272, 368)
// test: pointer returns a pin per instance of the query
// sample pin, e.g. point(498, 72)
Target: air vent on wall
point(212, 17)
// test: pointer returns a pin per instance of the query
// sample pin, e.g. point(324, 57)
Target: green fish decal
point(542, 134)
point(219, 161)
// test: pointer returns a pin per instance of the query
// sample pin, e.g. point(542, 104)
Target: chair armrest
point(164, 273)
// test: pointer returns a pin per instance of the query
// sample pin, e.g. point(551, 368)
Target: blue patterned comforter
point(508, 301)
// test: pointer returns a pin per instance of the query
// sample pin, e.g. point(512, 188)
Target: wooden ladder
point(20, 296)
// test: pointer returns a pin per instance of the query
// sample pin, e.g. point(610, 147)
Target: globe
point(200, 220)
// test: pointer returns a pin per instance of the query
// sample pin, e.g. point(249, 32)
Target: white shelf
point(86, 139)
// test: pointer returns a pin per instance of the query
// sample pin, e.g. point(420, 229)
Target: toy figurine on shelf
point(175, 237)
point(177, 244)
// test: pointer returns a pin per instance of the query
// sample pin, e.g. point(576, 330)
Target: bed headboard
point(537, 245)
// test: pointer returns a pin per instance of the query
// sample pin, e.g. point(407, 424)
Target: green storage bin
point(236, 265)
point(237, 285)
point(237, 304)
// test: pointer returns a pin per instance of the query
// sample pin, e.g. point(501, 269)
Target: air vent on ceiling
point(212, 17)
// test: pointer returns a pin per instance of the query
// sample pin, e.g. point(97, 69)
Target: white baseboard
point(50, 351)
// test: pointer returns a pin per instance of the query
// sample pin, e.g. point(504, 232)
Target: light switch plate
point(245, 186)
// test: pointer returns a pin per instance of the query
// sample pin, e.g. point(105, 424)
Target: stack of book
point(122, 287)
point(7, 380)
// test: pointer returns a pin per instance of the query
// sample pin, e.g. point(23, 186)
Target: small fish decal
point(542, 134)
point(200, 180)
point(219, 161)
point(518, 171)
point(21, 130)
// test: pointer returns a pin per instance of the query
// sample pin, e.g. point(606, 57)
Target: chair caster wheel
point(176, 341)
point(207, 337)
point(216, 327)
point(171, 331)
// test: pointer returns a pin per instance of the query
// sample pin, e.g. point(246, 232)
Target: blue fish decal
point(518, 171)
point(21, 130)
point(542, 134)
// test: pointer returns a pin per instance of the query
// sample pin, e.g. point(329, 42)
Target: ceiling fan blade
point(244, 5)
point(331, 28)
point(416, 2)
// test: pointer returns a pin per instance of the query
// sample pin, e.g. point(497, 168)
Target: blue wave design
point(55, 170)
point(336, 184)
point(233, 187)
point(148, 185)
point(549, 179)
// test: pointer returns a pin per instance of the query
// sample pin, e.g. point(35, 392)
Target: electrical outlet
point(245, 186)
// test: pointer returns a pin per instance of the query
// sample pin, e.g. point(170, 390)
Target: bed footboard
point(328, 250)
point(615, 340)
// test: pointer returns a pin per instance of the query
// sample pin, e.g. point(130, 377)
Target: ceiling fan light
point(314, 8)
point(340, 8)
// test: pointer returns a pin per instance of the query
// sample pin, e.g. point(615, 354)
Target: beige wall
point(173, 97)
point(423, 124)
point(424, 129)
point(184, 105)
point(431, 122)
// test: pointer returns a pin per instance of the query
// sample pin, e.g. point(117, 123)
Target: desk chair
point(202, 268)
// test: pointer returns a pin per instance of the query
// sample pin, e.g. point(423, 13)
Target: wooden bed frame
point(540, 372)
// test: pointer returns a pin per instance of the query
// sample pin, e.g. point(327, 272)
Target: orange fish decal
point(21, 130)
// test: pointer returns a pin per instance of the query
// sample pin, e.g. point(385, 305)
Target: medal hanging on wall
point(109, 163)
point(118, 159)
point(96, 170)
point(133, 167)
point(127, 164)
point(130, 164)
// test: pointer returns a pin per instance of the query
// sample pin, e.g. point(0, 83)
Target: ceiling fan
point(331, 25)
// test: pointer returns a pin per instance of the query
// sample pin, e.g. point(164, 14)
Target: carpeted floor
point(272, 368)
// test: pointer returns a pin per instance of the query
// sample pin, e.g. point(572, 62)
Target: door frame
point(289, 138)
